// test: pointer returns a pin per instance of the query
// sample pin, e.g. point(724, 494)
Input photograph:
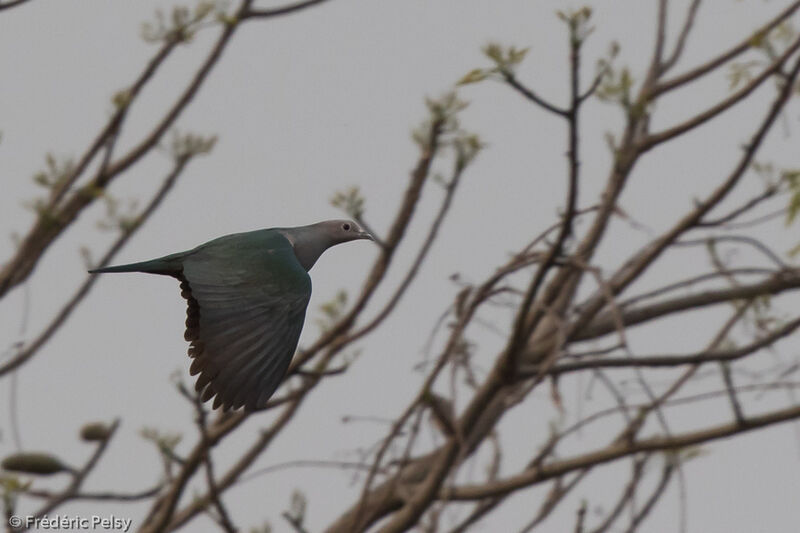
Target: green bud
point(33, 463)
point(95, 432)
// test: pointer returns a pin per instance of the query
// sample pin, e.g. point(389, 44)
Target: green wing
point(247, 296)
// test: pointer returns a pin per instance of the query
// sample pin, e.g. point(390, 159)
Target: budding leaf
point(473, 76)
point(33, 463)
point(95, 432)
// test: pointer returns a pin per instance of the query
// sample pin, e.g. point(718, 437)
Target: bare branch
point(640, 262)
point(278, 11)
point(100, 496)
point(604, 323)
point(626, 496)
point(79, 476)
point(661, 30)
point(679, 45)
point(620, 450)
point(670, 361)
point(726, 56)
point(701, 118)
point(532, 96)
point(296, 525)
point(411, 273)
point(556, 496)
point(213, 490)
point(188, 94)
point(396, 233)
point(175, 520)
point(730, 388)
point(689, 282)
point(12, 3)
point(740, 239)
point(33, 347)
point(666, 474)
point(44, 232)
point(768, 193)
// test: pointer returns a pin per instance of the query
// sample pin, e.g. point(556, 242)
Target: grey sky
point(305, 106)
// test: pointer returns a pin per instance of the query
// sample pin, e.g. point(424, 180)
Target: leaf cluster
point(577, 21)
point(120, 215)
point(183, 22)
point(183, 146)
point(505, 61)
point(772, 44)
point(616, 87)
point(351, 201)
point(332, 310)
point(445, 111)
point(164, 441)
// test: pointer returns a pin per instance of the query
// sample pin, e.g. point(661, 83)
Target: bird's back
point(262, 256)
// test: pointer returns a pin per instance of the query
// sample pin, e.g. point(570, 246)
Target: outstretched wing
point(247, 296)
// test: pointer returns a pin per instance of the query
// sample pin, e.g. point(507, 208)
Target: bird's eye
point(346, 227)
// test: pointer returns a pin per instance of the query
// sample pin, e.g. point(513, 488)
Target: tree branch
point(679, 45)
point(671, 361)
point(12, 3)
point(278, 11)
point(724, 57)
point(60, 319)
point(79, 476)
point(47, 229)
point(619, 450)
point(531, 96)
point(604, 323)
point(657, 138)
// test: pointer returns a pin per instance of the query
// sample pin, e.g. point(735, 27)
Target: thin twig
point(666, 474)
point(681, 43)
point(278, 11)
point(33, 347)
point(79, 476)
point(655, 139)
point(731, 390)
point(532, 96)
point(710, 65)
point(620, 450)
point(12, 3)
point(213, 490)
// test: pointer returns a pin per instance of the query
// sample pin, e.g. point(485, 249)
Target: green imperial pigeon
point(247, 295)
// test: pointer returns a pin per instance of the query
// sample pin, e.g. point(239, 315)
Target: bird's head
point(339, 231)
point(310, 241)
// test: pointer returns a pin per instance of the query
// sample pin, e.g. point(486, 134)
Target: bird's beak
point(365, 235)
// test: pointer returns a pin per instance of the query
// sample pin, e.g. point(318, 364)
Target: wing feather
point(246, 303)
point(266, 375)
point(271, 376)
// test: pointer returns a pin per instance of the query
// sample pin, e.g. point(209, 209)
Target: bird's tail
point(168, 265)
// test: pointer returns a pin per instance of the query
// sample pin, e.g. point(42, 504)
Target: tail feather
point(168, 265)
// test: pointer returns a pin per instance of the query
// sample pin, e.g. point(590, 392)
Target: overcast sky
point(304, 106)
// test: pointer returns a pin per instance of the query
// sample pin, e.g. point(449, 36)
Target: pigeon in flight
point(247, 295)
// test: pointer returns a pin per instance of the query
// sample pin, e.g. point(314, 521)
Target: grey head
point(310, 241)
